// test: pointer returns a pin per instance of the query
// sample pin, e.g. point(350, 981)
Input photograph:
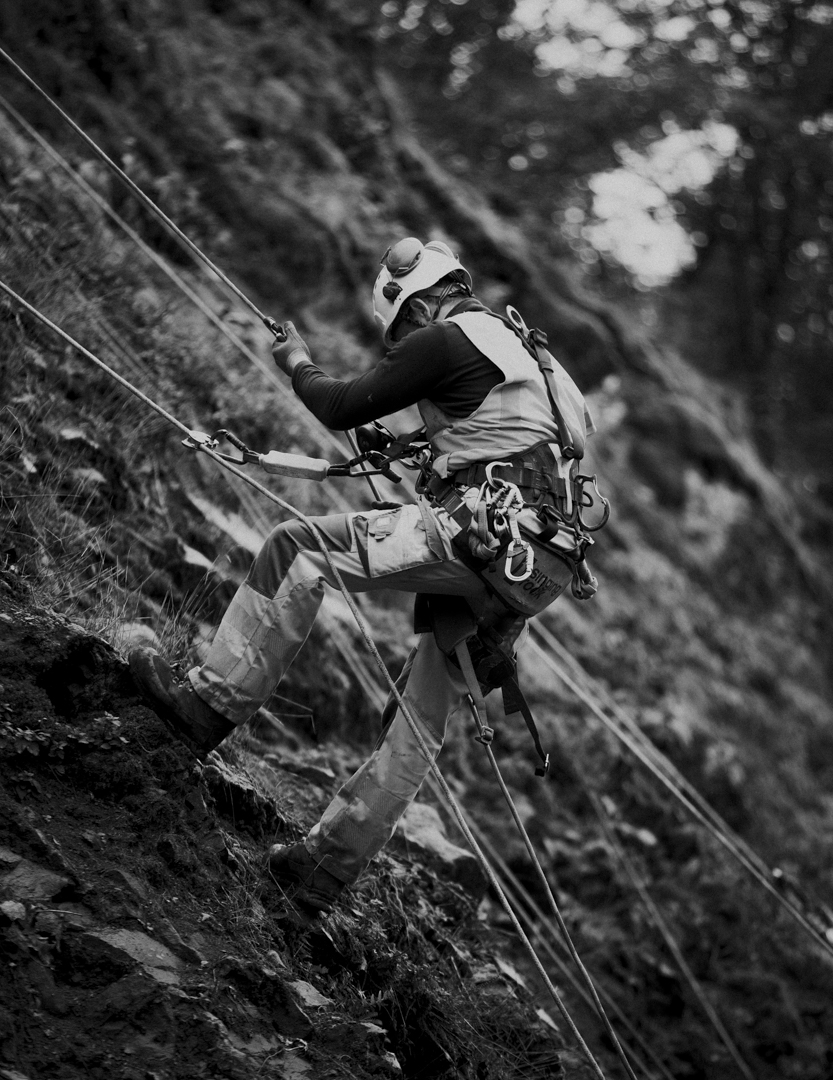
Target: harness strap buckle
point(563, 464)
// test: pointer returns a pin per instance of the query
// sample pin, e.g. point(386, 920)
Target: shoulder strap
point(535, 343)
point(542, 355)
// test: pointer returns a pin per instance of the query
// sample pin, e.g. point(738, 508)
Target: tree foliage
point(531, 99)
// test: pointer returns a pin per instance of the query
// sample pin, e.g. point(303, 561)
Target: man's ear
point(419, 312)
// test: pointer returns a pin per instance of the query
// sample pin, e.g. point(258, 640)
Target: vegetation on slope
point(277, 140)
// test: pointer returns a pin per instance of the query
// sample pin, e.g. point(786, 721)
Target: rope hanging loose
point(367, 636)
point(667, 936)
point(526, 903)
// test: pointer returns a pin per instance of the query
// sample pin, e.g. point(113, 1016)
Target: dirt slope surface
point(142, 941)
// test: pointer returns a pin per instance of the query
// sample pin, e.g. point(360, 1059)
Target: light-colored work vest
point(515, 415)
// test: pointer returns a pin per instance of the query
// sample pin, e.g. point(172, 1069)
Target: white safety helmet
point(410, 267)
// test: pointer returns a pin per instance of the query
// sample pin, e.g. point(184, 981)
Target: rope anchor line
point(320, 434)
point(146, 200)
point(637, 743)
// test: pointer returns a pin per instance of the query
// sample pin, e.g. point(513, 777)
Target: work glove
point(289, 349)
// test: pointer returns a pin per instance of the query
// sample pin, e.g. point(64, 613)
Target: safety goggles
point(405, 255)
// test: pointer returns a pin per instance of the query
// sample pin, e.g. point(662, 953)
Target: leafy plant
point(57, 740)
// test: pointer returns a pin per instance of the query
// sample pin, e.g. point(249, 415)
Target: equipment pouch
point(552, 572)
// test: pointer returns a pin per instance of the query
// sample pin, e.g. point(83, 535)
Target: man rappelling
point(497, 524)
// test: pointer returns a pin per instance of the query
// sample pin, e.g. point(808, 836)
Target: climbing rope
point(517, 894)
point(522, 898)
point(364, 629)
point(321, 433)
point(146, 201)
point(721, 834)
point(665, 931)
point(484, 736)
point(600, 693)
point(539, 923)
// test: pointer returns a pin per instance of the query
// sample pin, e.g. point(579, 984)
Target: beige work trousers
point(269, 618)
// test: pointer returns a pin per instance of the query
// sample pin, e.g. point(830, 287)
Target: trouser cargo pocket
point(396, 540)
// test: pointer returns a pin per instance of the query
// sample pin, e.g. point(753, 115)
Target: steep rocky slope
point(140, 937)
point(270, 135)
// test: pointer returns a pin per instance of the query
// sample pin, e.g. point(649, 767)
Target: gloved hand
point(290, 349)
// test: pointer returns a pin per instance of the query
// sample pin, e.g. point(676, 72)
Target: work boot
point(304, 881)
point(176, 702)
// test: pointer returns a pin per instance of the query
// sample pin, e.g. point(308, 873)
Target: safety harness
point(525, 534)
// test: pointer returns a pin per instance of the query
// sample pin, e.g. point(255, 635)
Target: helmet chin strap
point(418, 310)
point(426, 316)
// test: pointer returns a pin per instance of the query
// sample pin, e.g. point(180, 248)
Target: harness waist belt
point(533, 471)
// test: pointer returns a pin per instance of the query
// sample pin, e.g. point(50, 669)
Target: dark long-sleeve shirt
point(436, 362)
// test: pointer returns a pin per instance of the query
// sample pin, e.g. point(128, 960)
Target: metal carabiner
point(516, 546)
point(199, 440)
point(580, 481)
point(496, 465)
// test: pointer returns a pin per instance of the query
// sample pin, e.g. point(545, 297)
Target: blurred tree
point(529, 99)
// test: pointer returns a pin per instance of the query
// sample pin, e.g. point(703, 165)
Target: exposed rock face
point(421, 834)
point(27, 881)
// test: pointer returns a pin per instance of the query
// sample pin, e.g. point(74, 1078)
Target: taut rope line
point(146, 201)
point(532, 911)
point(667, 936)
point(639, 752)
point(323, 434)
point(478, 710)
point(656, 755)
point(365, 632)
